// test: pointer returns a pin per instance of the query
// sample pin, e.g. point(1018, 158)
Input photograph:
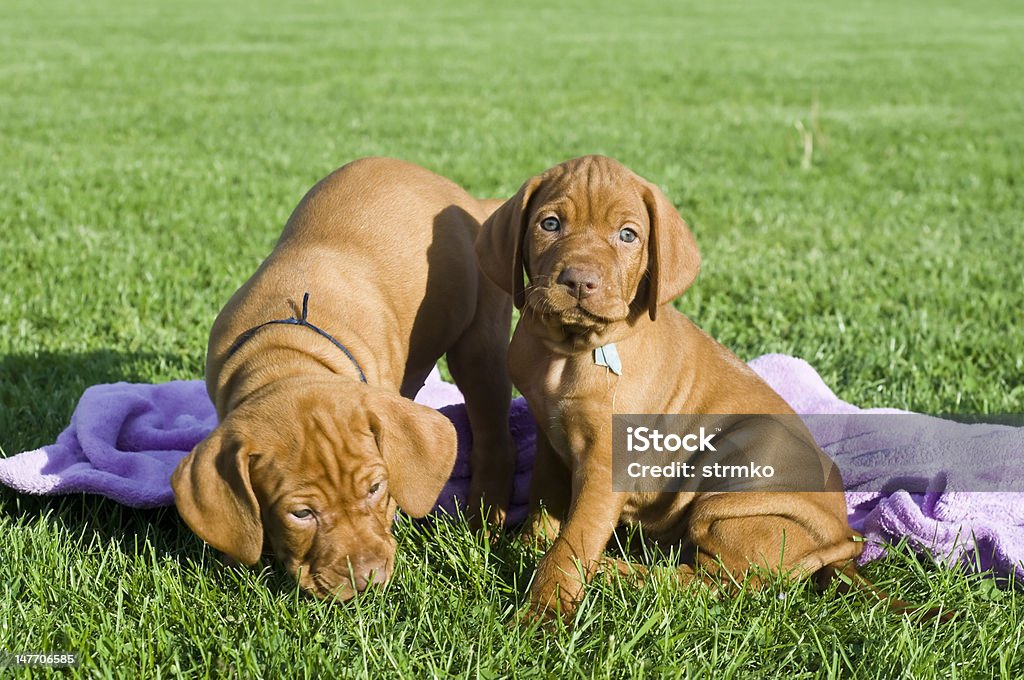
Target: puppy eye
point(550, 224)
point(374, 488)
point(302, 514)
point(627, 235)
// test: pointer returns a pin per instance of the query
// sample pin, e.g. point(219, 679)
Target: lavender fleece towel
point(125, 439)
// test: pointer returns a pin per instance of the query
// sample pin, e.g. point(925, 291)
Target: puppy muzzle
point(343, 582)
point(580, 300)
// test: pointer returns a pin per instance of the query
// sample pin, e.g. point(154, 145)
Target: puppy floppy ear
point(673, 260)
point(215, 497)
point(499, 246)
point(418, 445)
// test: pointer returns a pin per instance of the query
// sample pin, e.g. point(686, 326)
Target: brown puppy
point(605, 253)
point(307, 458)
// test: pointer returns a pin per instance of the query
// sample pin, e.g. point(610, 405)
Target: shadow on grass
point(38, 393)
point(87, 516)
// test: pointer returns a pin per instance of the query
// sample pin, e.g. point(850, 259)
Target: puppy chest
point(563, 432)
point(570, 412)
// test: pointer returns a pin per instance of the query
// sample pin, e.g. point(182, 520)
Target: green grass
point(149, 155)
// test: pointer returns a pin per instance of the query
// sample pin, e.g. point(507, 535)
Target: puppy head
point(318, 475)
point(596, 242)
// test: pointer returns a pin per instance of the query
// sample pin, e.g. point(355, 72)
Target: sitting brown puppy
point(313, 363)
point(605, 253)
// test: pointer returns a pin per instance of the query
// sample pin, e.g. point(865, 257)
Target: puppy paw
point(488, 508)
point(612, 569)
point(555, 591)
point(539, 531)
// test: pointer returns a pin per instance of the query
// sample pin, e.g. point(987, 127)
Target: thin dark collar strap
point(301, 321)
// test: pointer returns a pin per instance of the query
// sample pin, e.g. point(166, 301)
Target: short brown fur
point(385, 250)
point(669, 366)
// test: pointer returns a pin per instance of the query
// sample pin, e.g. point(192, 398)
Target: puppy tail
point(850, 579)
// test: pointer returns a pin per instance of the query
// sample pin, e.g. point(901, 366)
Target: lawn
point(852, 173)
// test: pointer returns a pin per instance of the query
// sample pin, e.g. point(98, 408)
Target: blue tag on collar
point(608, 355)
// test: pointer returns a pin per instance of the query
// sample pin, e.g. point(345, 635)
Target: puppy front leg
point(550, 495)
point(592, 518)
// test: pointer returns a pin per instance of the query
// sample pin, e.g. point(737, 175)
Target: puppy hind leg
point(477, 362)
point(734, 550)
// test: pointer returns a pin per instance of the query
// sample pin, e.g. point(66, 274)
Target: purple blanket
point(125, 439)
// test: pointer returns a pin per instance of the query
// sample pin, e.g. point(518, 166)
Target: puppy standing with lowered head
point(604, 253)
point(312, 366)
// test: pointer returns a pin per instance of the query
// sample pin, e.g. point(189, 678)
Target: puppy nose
point(580, 282)
point(369, 572)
